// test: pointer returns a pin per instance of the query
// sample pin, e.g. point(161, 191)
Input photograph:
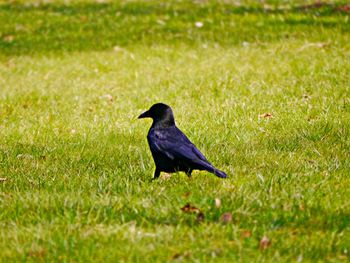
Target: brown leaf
point(40, 253)
point(246, 234)
point(83, 18)
point(186, 195)
point(294, 232)
point(226, 217)
point(344, 8)
point(312, 118)
point(188, 208)
point(265, 242)
point(217, 202)
point(177, 256)
point(200, 217)
point(3, 179)
point(266, 115)
point(180, 256)
point(9, 38)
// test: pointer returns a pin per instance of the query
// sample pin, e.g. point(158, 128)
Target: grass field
point(262, 88)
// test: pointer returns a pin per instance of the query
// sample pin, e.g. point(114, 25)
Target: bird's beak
point(144, 115)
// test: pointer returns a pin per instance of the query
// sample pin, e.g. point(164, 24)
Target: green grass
point(77, 165)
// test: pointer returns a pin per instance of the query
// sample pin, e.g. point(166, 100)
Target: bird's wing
point(194, 149)
point(176, 146)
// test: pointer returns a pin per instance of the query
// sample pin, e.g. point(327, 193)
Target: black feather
point(172, 151)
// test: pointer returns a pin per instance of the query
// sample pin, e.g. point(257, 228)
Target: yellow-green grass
point(74, 161)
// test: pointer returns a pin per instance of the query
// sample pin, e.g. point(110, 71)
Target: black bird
point(172, 151)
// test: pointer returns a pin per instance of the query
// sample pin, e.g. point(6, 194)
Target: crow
point(172, 151)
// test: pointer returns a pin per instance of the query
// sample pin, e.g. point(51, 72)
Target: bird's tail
point(211, 169)
point(219, 173)
point(215, 171)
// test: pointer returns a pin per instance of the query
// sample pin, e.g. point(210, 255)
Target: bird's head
point(160, 113)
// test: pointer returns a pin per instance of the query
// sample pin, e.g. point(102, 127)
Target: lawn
point(262, 88)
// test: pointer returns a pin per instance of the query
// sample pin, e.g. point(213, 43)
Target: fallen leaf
point(306, 97)
point(344, 8)
point(181, 255)
point(312, 118)
point(294, 232)
point(177, 256)
point(266, 115)
point(186, 195)
point(265, 242)
point(226, 217)
point(217, 202)
point(246, 234)
point(40, 253)
point(83, 18)
point(200, 217)
point(2, 179)
point(9, 38)
point(188, 208)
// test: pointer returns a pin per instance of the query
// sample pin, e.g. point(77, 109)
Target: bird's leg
point(189, 172)
point(156, 174)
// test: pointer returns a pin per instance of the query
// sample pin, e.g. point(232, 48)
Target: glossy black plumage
point(172, 151)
